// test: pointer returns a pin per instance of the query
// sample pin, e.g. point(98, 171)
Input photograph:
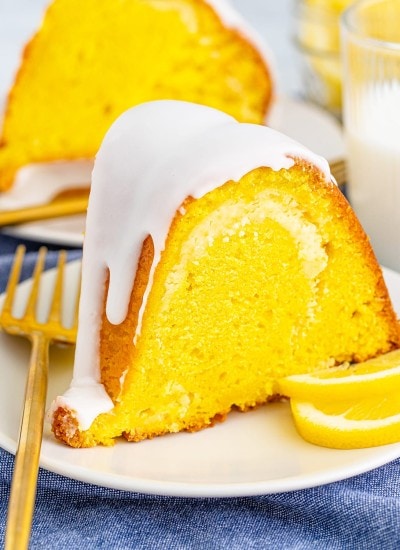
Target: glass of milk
point(370, 31)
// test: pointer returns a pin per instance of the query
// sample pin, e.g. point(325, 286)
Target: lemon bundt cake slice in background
point(92, 60)
point(224, 258)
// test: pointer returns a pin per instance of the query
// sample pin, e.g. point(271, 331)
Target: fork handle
point(23, 485)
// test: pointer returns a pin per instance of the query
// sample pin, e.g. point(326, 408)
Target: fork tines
point(53, 326)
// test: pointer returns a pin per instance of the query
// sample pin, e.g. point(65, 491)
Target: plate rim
point(215, 490)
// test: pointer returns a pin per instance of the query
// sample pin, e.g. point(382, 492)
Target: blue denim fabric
point(362, 512)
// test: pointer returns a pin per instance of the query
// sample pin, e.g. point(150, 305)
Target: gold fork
point(339, 171)
point(23, 486)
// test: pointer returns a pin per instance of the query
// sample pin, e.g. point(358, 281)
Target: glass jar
point(317, 39)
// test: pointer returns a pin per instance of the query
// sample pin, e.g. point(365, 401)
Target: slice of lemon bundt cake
point(92, 60)
point(223, 258)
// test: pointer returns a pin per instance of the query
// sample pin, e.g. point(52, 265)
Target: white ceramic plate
point(304, 122)
point(258, 452)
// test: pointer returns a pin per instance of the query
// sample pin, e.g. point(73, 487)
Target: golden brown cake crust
point(65, 427)
point(357, 233)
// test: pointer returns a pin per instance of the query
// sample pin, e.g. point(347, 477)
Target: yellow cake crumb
point(260, 279)
point(91, 61)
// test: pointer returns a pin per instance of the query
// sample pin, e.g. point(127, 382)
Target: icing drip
point(152, 158)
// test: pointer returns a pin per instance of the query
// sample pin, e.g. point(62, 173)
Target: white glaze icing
point(40, 183)
point(153, 157)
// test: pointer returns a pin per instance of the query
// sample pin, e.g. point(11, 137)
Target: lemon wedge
point(378, 376)
point(349, 425)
